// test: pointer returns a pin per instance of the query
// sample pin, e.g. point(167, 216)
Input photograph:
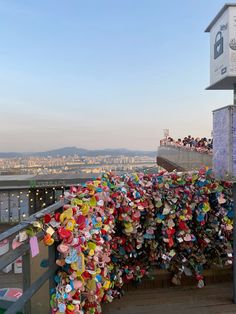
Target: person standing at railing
point(201, 145)
point(210, 144)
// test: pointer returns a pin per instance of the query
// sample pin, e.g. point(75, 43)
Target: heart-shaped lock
point(63, 248)
point(187, 237)
point(72, 257)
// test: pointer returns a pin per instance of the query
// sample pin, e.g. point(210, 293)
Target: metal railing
point(29, 288)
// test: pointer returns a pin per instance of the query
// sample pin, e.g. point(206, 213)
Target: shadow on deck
point(216, 298)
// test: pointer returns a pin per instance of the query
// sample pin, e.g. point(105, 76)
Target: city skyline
point(105, 74)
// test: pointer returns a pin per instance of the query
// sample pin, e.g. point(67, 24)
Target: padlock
point(218, 46)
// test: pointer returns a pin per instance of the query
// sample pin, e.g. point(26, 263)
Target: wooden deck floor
point(215, 299)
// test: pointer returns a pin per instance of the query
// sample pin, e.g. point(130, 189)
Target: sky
point(105, 73)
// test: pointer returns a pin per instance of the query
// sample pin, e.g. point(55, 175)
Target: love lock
point(218, 46)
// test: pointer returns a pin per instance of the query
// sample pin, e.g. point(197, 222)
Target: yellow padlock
point(67, 214)
point(106, 284)
point(85, 209)
point(70, 224)
point(70, 307)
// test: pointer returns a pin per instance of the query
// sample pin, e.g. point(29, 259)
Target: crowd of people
point(203, 144)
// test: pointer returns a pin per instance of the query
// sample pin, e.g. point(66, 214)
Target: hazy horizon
point(104, 74)
point(57, 148)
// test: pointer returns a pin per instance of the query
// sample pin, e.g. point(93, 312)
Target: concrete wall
point(189, 160)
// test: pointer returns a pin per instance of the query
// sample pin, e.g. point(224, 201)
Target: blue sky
point(104, 73)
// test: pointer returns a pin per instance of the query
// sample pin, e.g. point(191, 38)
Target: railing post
point(26, 279)
point(51, 262)
point(30, 284)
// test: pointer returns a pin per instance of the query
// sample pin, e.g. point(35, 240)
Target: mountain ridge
point(73, 150)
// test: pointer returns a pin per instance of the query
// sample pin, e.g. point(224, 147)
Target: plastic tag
point(34, 246)
point(23, 236)
point(50, 230)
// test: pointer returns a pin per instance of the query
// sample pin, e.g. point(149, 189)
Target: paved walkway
point(215, 299)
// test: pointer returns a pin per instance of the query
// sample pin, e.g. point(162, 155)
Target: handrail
point(12, 255)
point(189, 149)
point(23, 250)
point(19, 304)
point(23, 224)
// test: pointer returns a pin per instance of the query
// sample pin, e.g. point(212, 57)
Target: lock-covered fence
point(117, 229)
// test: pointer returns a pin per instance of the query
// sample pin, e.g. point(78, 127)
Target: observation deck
point(182, 158)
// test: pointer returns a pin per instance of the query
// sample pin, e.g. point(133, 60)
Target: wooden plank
point(215, 298)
